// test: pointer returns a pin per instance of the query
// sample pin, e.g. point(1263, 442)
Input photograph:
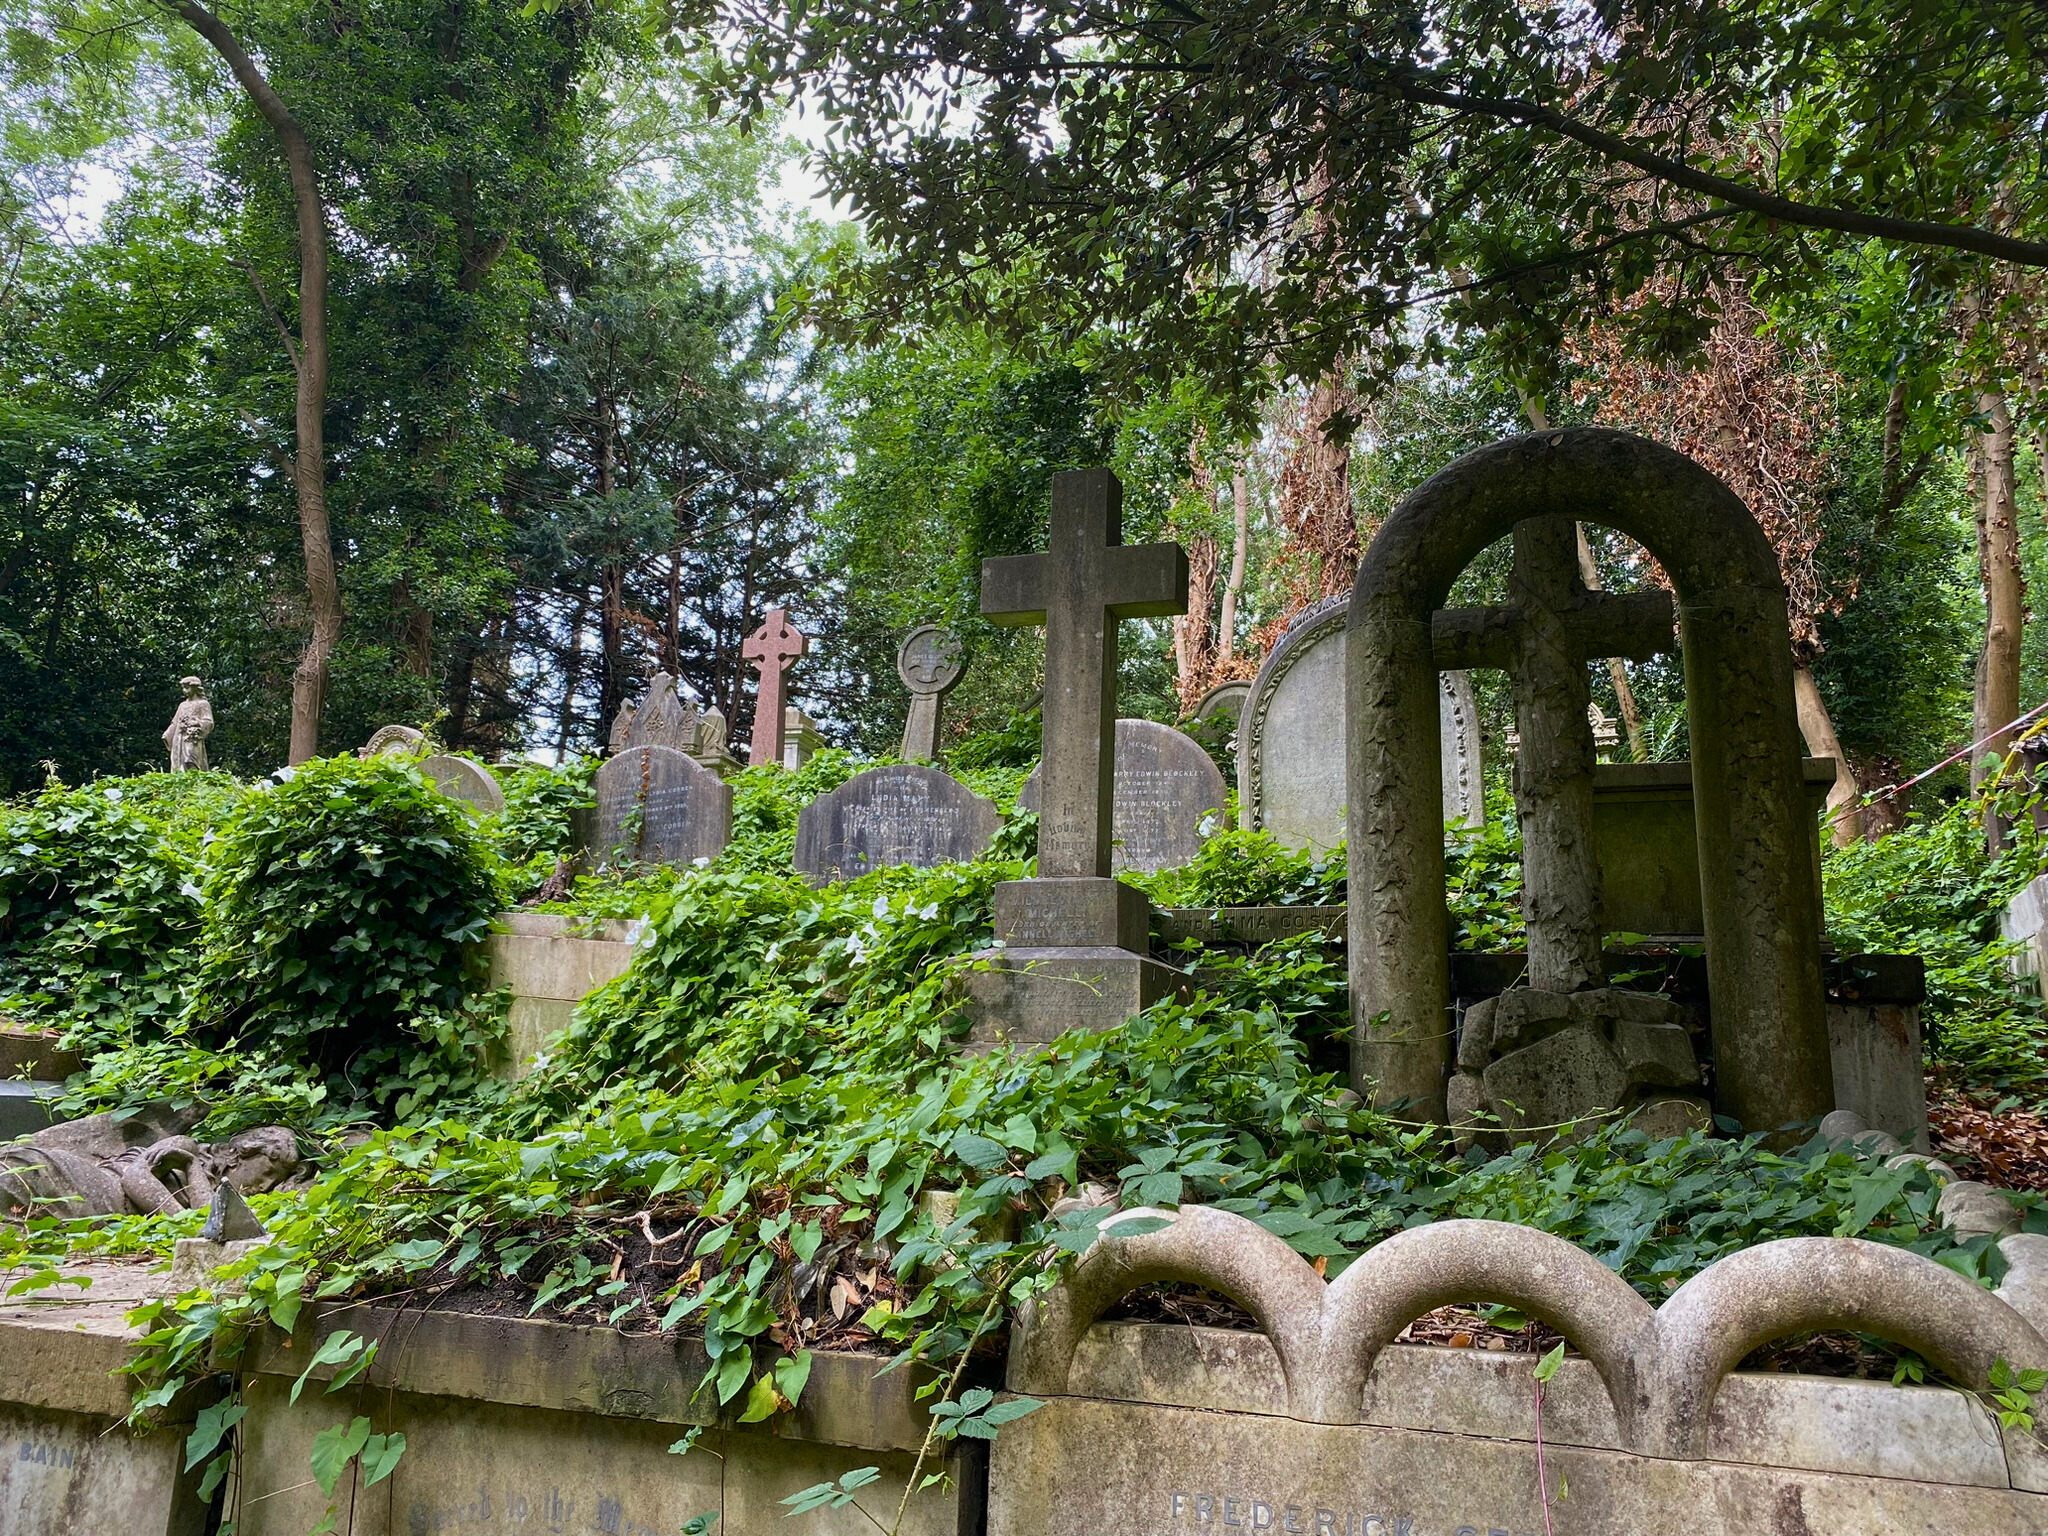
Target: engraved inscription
point(1195, 1510)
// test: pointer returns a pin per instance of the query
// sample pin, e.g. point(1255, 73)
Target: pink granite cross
point(771, 649)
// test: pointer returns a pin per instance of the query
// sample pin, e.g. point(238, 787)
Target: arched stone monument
point(1758, 880)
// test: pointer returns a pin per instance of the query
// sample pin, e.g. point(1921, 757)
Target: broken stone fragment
point(1563, 1078)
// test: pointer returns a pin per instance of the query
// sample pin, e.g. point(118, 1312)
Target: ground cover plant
point(760, 1134)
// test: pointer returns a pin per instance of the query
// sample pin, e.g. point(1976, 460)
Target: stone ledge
point(577, 1368)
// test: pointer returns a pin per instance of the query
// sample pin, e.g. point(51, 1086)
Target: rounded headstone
point(1168, 790)
point(928, 661)
point(1225, 699)
point(656, 806)
point(470, 782)
point(392, 741)
point(901, 814)
point(1290, 737)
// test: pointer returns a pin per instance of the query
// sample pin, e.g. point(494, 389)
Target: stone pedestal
point(1070, 954)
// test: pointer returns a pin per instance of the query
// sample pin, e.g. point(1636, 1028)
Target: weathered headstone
point(470, 782)
point(191, 724)
point(392, 741)
point(664, 718)
point(1226, 699)
point(901, 814)
point(771, 648)
point(1290, 738)
point(1169, 797)
point(656, 806)
point(928, 661)
point(1071, 944)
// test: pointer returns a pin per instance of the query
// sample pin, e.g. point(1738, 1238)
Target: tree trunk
point(1193, 649)
point(611, 613)
point(1818, 729)
point(309, 364)
point(572, 674)
point(1226, 625)
point(2005, 588)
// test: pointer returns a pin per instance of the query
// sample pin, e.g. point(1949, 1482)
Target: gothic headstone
point(191, 724)
point(656, 806)
point(901, 814)
point(1290, 738)
point(664, 718)
point(1169, 797)
point(392, 741)
point(771, 648)
point(928, 661)
point(470, 782)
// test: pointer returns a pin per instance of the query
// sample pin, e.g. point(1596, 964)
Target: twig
point(995, 1296)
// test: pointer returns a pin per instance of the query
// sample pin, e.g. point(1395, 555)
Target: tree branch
point(284, 333)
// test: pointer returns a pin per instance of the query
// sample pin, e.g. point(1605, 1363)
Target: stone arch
point(1758, 884)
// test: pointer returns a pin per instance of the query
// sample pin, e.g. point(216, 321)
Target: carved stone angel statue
point(190, 726)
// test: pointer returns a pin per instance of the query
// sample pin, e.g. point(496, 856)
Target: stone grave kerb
point(1073, 940)
point(1758, 882)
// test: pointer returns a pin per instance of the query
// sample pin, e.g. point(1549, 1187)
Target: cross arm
point(1635, 625)
point(1013, 589)
point(1147, 581)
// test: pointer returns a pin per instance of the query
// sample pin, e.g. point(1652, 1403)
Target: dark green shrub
point(99, 896)
point(343, 910)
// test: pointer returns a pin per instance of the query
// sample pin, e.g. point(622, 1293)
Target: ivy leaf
point(380, 1457)
point(335, 1448)
point(209, 1426)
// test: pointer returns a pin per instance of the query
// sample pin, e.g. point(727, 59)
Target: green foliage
point(766, 802)
point(535, 829)
point(1237, 868)
point(99, 901)
point(343, 910)
point(1931, 889)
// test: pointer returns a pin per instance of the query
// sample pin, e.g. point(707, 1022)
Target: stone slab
point(656, 806)
point(1245, 926)
point(1647, 842)
point(2025, 922)
point(25, 1107)
point(1029, 996)
point(901, 814)
point(552, 962)
point(1169, 797)
point(459, 778)
point(1166, 1471)
point(1879, 1073)
point(1082, 910)
point(518, 1425)
point(35, 1053)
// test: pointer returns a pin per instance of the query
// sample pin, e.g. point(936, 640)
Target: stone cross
point(928, 661)
point(1552, 627)
point(771, 649)
point(1079, 589)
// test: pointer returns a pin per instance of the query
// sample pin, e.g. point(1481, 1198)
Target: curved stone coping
point(1661, 1368)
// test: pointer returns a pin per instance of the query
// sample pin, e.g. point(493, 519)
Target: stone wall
point(1319, 1426)
point(551, 963)
point(511, 1425)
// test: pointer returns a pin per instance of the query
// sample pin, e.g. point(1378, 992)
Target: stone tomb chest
point(902, 814)
point(1318, 1425)
point(656, 806)
point(1169, 797)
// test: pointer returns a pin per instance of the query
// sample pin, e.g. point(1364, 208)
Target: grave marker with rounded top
point(393, 741)
point(460, 778)
point(900, 814)
point(928, 661)
point(1167, 790)
point(657, 806)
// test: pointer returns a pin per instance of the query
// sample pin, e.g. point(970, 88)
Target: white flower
point(702, 861)
point(114, 793)
point(929, 914)
point(881, 906)
point(189, 889)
